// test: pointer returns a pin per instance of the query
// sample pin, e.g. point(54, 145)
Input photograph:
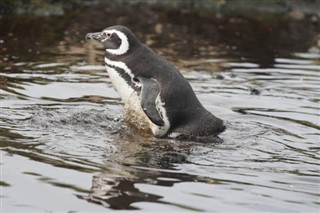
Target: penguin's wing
point(149, 92)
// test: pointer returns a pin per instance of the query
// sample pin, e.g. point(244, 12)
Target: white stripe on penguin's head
point(124, 46)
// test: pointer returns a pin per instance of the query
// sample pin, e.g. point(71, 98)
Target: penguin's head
point(116, 39)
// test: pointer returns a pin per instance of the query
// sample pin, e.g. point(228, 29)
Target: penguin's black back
point(185, 112)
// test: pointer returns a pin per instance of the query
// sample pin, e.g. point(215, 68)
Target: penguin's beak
point(96, 36)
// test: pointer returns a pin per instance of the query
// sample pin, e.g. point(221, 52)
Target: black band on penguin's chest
point(126, 77)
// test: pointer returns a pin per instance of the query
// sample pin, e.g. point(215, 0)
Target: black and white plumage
point(152, 87)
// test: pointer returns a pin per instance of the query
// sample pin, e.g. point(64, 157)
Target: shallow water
point(60, 137)
point(64, 147)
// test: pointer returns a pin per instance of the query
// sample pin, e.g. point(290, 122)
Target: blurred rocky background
point(191, 29)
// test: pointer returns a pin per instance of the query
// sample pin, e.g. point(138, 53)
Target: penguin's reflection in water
point(143, 161)
point(119, 192)
point(117, 188)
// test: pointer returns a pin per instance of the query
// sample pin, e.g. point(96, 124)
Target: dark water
point(64, 147)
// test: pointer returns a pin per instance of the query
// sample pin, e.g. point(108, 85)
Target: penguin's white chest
point(131, 100)
point(120, 85)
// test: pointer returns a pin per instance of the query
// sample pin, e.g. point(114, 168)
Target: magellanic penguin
point(153, 88)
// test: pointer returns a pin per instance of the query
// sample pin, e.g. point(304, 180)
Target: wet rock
point(172, 157)
point(254, 91)
point(220, 77)
point(233, 75)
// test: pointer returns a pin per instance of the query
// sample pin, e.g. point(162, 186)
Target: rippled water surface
point(64, 147)
point(59, 137)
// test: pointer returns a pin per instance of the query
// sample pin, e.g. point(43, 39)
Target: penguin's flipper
point(149, 92)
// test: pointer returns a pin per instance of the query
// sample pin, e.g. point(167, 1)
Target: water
point(64, 147)
point(59, 138)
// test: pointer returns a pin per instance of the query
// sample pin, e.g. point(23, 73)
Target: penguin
point(153, 88)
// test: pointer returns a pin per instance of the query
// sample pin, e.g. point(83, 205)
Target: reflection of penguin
point(118, 186)
point(153, 88)
point(117, 192)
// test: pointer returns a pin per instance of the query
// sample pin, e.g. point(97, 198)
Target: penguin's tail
point(204, 125)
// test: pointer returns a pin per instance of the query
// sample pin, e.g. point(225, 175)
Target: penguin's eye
point(108, 35)
point(136, 80)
